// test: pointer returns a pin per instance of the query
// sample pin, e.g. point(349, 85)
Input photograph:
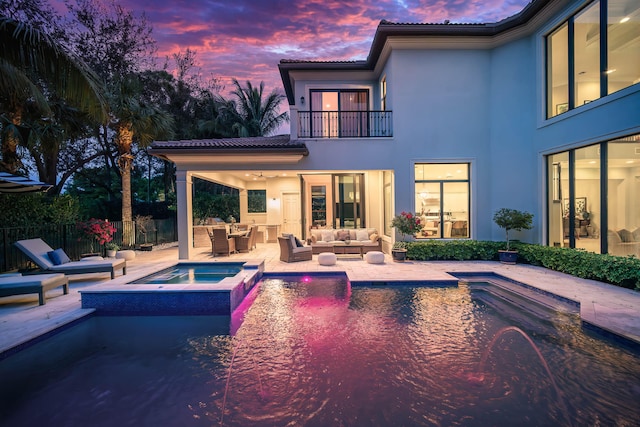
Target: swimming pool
point(190, 273)
point(315, 351)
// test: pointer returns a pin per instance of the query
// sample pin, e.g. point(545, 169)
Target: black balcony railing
point(345, 124)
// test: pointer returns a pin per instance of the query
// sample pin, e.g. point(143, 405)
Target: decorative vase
point(508, 257)
point(399, 255)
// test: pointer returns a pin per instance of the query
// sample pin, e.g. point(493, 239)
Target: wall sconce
point(302, 100)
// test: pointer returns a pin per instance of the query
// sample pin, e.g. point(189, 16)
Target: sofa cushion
point(625, 235)
point(362, 235)
point(327, 235)
point(344, 235)
point(636, 234)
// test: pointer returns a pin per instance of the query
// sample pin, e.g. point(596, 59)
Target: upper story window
point(594, 53)
point(342, 113)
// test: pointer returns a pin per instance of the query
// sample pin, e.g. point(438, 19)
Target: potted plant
point(511, 219)
point(97, 230)
point(406, 224)
point(145, 225)
point(111, 249)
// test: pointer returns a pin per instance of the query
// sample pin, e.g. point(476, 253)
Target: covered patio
point(298, 192)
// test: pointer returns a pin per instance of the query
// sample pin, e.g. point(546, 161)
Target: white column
point(184, 193)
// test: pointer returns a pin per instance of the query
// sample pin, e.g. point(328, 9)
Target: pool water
point(314, 351)
point(186, 273)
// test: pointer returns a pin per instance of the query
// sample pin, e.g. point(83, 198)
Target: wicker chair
point(289, 253)
point(222, 243)
point(248, 242)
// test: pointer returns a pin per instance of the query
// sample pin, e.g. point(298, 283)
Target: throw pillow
point(298, 243)
point(374, 237)
point(58, 257)
point(625, 235)
point(362, 235)
point(313, 238)
point(343, 235)
point(327, 236)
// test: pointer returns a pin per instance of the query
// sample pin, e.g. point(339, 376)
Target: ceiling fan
point(261, 176)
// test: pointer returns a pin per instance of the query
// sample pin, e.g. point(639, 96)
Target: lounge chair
point(16, 284)
point(38, 251)
point(222, 243)
point(291, 253)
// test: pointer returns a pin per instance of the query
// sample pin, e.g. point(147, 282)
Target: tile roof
point(260, 143)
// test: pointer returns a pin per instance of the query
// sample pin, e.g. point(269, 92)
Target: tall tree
point(34, 66)
point(139, 120)
point(119, 46)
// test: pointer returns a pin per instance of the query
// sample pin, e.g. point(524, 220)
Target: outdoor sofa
point(325, 239)
point(43, 256)
point(17, 284)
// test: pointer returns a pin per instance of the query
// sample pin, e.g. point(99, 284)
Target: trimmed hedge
point(619, 271)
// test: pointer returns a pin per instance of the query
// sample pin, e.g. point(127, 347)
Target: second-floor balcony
point(345, 124)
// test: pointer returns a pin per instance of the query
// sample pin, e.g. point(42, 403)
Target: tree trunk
point(124, 139)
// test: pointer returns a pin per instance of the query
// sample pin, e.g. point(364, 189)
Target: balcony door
point(339, 113)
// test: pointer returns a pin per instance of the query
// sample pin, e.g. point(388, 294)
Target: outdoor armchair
point(289, 253)
point(222, 243)
point(248, 242)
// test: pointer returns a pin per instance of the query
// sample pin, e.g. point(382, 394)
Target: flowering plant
point(98, 229)
point(406, 223)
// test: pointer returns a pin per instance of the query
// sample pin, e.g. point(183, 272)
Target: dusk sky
point(246, 39)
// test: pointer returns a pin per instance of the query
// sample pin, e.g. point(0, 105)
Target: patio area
point(608, 307)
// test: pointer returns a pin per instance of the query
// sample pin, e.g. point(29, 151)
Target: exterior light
point(302, 100)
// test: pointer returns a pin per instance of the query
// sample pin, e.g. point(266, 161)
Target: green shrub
point(619, 271)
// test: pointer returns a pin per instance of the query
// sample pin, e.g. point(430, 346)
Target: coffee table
point(352, 248)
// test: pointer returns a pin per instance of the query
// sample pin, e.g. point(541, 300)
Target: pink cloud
point(246, 39)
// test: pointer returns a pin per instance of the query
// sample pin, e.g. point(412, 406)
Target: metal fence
point(76, 244)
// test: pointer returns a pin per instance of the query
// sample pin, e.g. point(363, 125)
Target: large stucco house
point(538, 112)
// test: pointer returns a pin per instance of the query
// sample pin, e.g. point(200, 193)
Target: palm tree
point(30, 58)
point(133, 118)
point(253, 115)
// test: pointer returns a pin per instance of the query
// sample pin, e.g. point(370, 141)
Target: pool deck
point(608, 307)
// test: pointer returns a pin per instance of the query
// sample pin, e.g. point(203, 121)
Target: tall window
point(557, 72)
point(588, 57)
point(339, 113)
point(388, 202)
point(623, 44)
point(582, 212)
point(442, 200)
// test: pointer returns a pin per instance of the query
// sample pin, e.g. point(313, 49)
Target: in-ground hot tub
point(189, 288)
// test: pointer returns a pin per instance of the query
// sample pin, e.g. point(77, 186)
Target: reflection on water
point(316, 352)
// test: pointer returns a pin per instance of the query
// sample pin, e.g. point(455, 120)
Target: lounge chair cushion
point(58, 257)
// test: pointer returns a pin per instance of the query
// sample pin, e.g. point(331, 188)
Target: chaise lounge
point(16, 284)
point(39, 252)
